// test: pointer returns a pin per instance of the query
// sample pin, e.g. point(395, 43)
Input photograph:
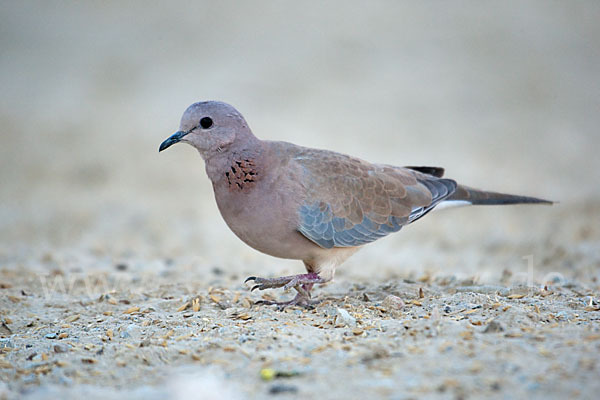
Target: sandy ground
point(119, 279)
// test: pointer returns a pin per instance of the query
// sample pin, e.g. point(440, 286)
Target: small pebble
point(344, 317)
point(65, 380)
point(243, 338)
point(132, 330)
point(61, 348)
point(121, 267)
point(435, 314)
point(493, 327)
point(561, 315)
point(50, 336)
point(279, 388)
point(393, 303)
point(217, 271)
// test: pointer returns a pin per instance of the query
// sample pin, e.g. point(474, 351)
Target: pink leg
point(303, 284)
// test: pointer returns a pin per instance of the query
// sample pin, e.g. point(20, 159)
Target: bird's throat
point(242, 174)
point(238, 171)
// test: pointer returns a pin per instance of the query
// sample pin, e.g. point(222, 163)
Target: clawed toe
point(266, 283)
point(252, 278)
point(255, 279)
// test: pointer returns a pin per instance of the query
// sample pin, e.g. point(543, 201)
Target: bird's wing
point(350, 202)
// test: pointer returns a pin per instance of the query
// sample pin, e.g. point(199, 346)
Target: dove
point(313, 205)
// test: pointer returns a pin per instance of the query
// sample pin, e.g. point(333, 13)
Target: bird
point(313, 205)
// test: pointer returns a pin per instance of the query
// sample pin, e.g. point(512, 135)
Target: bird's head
point(211, 127)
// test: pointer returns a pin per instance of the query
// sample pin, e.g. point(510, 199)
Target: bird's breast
point(262, 210)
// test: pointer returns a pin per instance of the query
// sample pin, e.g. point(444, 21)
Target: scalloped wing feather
point(350, 202)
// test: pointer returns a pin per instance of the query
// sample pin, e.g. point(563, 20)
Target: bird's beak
point(174, 138)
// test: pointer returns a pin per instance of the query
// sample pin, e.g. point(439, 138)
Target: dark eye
point(206, 122)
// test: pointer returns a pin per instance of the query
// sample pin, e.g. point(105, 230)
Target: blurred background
point(505, 96)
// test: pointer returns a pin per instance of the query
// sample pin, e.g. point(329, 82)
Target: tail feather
point(481, 197)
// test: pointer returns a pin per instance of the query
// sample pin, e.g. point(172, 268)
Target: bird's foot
point(303, 284)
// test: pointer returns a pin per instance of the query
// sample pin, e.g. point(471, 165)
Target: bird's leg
point(303, 284)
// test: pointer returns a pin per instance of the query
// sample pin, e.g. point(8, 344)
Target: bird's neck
point(238, 168)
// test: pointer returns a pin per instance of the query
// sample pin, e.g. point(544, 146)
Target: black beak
point(174, 138)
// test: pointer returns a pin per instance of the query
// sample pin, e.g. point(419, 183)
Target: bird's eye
point(206, 122)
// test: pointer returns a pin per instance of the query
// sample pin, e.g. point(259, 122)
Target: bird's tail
point(481, 197)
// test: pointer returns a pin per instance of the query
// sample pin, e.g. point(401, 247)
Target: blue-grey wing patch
point(318, 224)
